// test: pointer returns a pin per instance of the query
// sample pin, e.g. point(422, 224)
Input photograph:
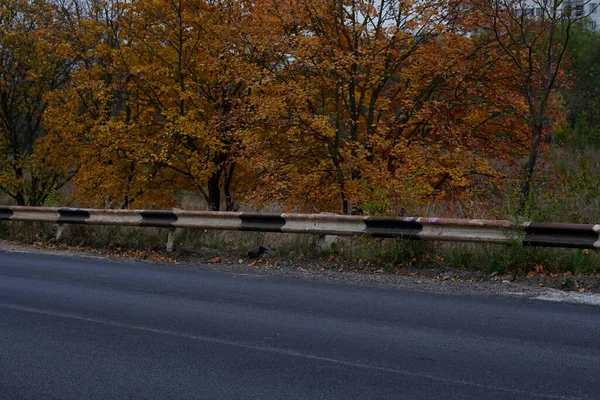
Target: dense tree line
point(318, 105)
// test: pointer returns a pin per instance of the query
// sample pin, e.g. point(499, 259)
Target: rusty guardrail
point(585, 236)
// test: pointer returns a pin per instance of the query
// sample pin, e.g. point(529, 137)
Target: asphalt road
point(74, 328)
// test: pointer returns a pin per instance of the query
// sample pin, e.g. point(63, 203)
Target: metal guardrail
point(585, 236)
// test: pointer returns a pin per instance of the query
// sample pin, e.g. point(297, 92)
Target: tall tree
point(194, 70)
point(375, 102)
point(534, 36)
point(160, 97)
point(30, 67)
point(97, 111)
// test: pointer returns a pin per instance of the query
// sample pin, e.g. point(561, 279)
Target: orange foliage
point(363, 112)
point(318, 105)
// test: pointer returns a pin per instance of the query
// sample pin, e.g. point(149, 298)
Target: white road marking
point(570, 297)
point(286, 352)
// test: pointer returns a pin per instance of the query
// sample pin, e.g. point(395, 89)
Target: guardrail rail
point(584, 236)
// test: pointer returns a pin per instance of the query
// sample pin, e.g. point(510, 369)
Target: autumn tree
point(194, 71)
point(337, 60)
point(534, 36)
point(158, 100)
point(29, 69)
point(374, 101)
point(350, 106)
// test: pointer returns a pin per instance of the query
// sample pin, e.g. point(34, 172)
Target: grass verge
point(384, 255)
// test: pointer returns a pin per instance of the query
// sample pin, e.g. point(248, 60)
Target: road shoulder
point(438, 280)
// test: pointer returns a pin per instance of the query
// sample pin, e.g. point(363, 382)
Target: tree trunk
point(20, 193)
point(214, 191)
point(227, 188)
point(343, 199)
point(20, 198)
point(529, 168)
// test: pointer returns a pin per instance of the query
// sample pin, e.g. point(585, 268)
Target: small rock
point(259, 251)
point(569, 284)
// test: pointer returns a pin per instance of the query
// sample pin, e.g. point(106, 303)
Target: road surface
point(77, 328)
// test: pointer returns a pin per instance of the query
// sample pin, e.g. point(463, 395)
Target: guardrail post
point(60, 230)
point(326, 242)
point(174, 233)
